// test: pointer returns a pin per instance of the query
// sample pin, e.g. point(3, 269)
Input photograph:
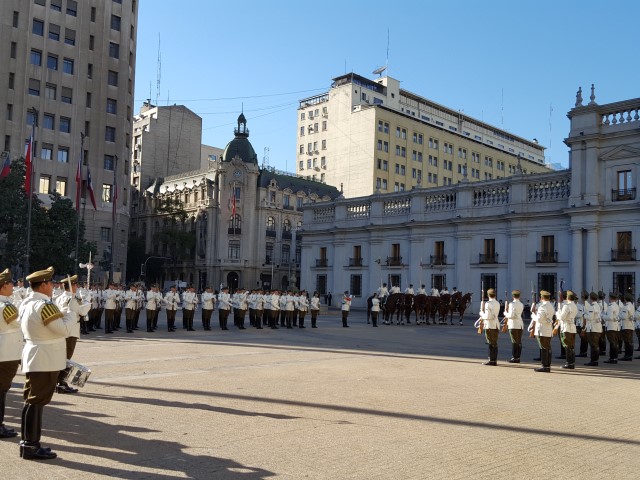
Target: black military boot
point(595, 356)
point(30, 448)
point(571, 359)
point(4, 431)
point(545, 355)
point(515, 358)
point(493, 355)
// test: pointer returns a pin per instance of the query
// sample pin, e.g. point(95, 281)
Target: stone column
point(591, 260)
point(575, 262)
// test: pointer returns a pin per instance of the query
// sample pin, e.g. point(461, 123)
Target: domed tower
point(240, 146)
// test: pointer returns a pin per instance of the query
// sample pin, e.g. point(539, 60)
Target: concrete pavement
point(394, 402)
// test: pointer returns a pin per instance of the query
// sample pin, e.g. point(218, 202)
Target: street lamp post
point(143, 267)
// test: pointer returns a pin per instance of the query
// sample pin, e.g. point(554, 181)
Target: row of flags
point(6, 169)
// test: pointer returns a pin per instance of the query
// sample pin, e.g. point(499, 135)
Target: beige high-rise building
point(372, 136)
point(166, 141)
point(70, 65)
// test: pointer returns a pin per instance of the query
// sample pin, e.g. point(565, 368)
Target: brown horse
point(460, 304)
point(425, 306)
point(396, 304)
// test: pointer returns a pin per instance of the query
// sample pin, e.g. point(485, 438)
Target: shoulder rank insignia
point(50, 312)
point(9, 313)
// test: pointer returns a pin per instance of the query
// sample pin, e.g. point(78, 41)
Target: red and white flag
point(78, 185)
point(6, 167)
point(29, 168)
point(90, 189)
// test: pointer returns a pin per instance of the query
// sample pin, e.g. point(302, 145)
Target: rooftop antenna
point(159, 73)
point(265, 158)
point(380, 70)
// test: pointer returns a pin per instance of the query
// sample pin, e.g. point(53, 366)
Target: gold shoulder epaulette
point(50, 312)
point(9, 313)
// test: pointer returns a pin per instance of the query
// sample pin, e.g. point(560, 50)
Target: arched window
point(235, 225)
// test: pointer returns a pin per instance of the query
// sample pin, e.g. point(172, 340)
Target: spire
point(241, 130)
point(593, 95)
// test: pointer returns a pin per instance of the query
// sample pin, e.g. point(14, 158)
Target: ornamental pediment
point(621, 152)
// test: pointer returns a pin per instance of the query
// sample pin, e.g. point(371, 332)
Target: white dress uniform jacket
point(592, 317)
point(544, 319)
point(610, 317)
point(208, 300)
point(626, 319)
point(73, 308)
point(224, 301)
point(45, 349)
point(513, 314)
point(171, 300)
point(131, 299)
point(567, 316)
point(315, 303)
point(11, 341)
point(189, 300)
point(490, 314)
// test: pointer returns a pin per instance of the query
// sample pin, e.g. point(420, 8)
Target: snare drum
point(77, 374)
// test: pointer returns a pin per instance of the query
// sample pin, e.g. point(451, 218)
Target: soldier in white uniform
point(383, 293)
point(19, 293)
point(627, 326)
point(580, 325)
point(154, 301)
point(189, 302)
point(422, 290)
point(224, 306)
point(395, 289)
point(110, 304)
point(241, 308)
point(11, 343)
point(435, 292)
point(208, 304)
point(45, 329)
point(274, 304)
point(130, 305)
point(289, 307)
point(542, 325)
point(612, 324)
point(490, 323)
point(593, 327)
point(72, 305)
point(303, 306)
point(375, 309)
point(409, 290)
point(314, 307)
point(171, 300)
point(346, 306)
point(513, 316)
point(566, 316)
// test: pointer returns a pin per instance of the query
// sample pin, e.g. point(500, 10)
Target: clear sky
point(516, 64)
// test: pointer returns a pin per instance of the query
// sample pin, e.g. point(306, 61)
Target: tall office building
point(372, 136)
point(69, 66)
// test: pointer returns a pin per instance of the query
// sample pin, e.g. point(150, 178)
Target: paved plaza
point(394, 402)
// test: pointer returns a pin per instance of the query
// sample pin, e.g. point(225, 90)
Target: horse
point(424, 306)
point(443, 308)
point(460, 304)
point(394, 305)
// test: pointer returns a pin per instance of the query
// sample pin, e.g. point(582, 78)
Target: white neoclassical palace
point(577, 228)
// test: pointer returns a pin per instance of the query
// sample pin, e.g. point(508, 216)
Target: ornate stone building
point(530, 231)
point(241, 226)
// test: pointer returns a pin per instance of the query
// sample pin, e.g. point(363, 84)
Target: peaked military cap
point(72, 279)
point(613, 295)
point(5, 277)
point(544, 293)
point(41, 275)
point(515, 293)
point(627, 296)
point(593, 296)
point(571, 295)
point(491, 291)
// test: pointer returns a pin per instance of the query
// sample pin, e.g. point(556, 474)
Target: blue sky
point(514, 64)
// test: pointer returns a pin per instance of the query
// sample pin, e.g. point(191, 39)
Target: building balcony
point(438, 260)
point(546, 257)
point(488, 258)
point(623, 194)
point(355, 262)
point(271, 233)
point(286, 234)
point(322, 262)
point(394, 261)
point(288, 207)
point(234, 231)
point(628, 255)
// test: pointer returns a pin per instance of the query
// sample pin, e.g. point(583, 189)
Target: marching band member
point(375, 309)
point(593, 326)
point(11, 343)
point(542, 321)
point(274, 303)
point(566, 317)
point(73, 306)
point(627, 326)
point(189, 302)
point(489, 319)
point(289, 307)
point(171, 300)
point(154, 300)
point(45, 329)
point(110, 301)
point(259, 309)
point(224, 306)
point(612, 324)
point(346, 306)
point(580, 325)
point(242, 305)
point(314, 306)
point(513, 316)
point(131, 302)
point(303, 306)
point(208, 304)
